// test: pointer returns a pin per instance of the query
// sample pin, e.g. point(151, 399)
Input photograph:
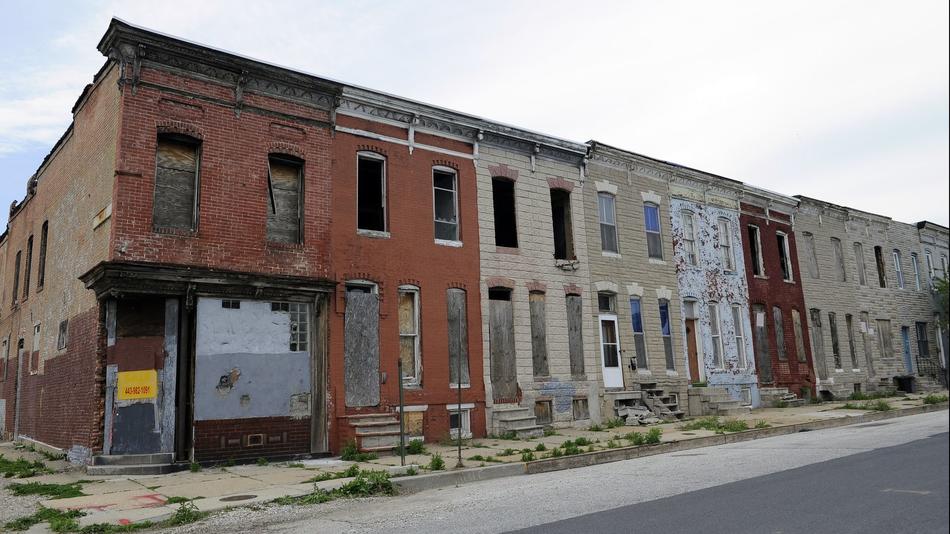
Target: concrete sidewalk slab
point(127, 517)
point(212, 488)
point(120, 500)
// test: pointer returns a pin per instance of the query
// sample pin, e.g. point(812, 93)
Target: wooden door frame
point(319, 335)
point(600, 329)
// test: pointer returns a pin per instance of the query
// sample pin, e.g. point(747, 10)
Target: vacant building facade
point(709, 261)
point(537, 341)
point(627, 202)
point(777, 304)
point(934, 248)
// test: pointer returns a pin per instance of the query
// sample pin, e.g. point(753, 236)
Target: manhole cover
point(233, 498)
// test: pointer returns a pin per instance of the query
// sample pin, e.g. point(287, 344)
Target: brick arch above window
point(409, 282)
point(372, 148)
point(503, 171)
point(287, 149)
point(573, 289)
point(456, 285)
point(445, 163)
point(179, 127)
point(560, 183)
point(536, 286)
point(500, 281)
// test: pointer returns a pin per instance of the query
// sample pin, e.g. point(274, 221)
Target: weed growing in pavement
point(762, 423)
point(615, 423)
point(21, 468)
point(935, 399)
point(411, 471)
point(436, 463)
point(63, 521)
point(635, 438)
point(195, 467)
point(507, 452)
point(540, 447)
point(879, 405)
point(365, 484)
point(186, 513)
point(653, 436)
point(527, 456)
point(109, 528)
point(296, 464)
point(351, 453)
point(262, 461)
point(596, 428)
point(53, 491)
point(350, 472)
point(582, 441)
point(549, 431)
point(719, 426)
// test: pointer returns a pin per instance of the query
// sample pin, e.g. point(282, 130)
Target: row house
point(935, 247)
point(870, 315)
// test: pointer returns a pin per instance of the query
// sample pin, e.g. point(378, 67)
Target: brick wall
point(228, 439)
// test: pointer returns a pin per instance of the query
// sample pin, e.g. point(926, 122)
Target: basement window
point(371, 192)
point(284, 187)
point(460, 419)
point(503, 206)
point(580, 408)
point(175, 202)
point(542, 412)
point(561, 219)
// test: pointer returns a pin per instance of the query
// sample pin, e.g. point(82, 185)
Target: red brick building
point(783, 356)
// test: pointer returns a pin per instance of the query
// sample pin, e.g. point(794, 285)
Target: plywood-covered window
point(835, 345)
point(726, 257)
point(639, 341)
point(361, 345)
point(575, 333)
point(760, 340)
point(539, 343)
point(651, 224)
point(458, 337)
point(175, 203)
point(607, 214)
point(688, 221)
point(562, 224)
point(503, 207)
point(811, 255)
point(778, 322)
point(445, 203)
point(818, 341)
point(755, 249)
point(715, 333)
point(799, 336)
point(41, 268)
point(285, 192)
point(837, 254)
point(370, 192)
point(409, 345)
point(5, 354)
point(784, 256)
point(859, 262)
point(849, 325)
point(885, 338)
point(879, 262)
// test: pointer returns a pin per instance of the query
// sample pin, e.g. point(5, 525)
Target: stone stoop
point(513, 418)
point(665, 406)
point(378, 432)
point(772, 396)
point(711, 400)
point(132, 464)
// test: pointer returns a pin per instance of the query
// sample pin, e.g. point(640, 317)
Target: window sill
point(855, 370)
point(448, 243)
point(283, 246)
point(176, 232)
point(670, 372)
point(760, 276)
point(608, 254)
point(375, 234)
point(456, 386)
point(839, 370)
point(656, 261)
point(792, 282)
point(644, 372)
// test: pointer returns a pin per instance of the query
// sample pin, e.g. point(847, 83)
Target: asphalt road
point(889, 490)
point(830, 480)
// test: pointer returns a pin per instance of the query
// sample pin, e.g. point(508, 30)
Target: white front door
point(610, 352)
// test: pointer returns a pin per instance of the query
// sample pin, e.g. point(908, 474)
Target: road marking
point(914, 492)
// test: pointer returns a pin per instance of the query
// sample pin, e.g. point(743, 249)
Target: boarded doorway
point(691, 351)
point(501, 332)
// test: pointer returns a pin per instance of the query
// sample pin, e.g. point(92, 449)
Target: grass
point(351, 471)
point(351, 453)
point(874, 395)
point(549, 431)
point(67, 521)
point(714, 424)
point(415, 446)
point(186, 513)
point(366, 484)
point(582, 441)
point(194, 467)
point(53, 491)
point(635, 438)
point(480, 458)
point(109, 528)
point(296, 464)
point(21, 468)
point(527, 456)
point(436, 463)
point(935, 399)
point(179, 500)
point(879, 405)
point(596, 428)
point(761, 423)
point(540, 447)
point(654, 435)
point(59, 521)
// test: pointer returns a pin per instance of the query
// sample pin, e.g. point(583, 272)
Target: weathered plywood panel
point(283, 220)
point(176, 178)
point(361, 349)
point(575, 333)
point(504, 377)
point(539, 344)
point(763, 360)
point(458, 336)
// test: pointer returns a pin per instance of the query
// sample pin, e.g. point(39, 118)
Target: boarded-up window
point(837, 254)
point(581, 409)
point(667, 332)
point(784, 257)
point(445, 204)
point(28, 268)
point(542, 412)
point(818, 343)
point(849, 324)
point(371, 192)
point(799, 336)
point(503, 206)
point(575, 333)
point(778, 321)
point(16, 276)
point(811, 255)
point(41, 269)
point(835, 345)
point(639, 341)
point(561, 220)
point(607, 214)
point(409, 335)
point(539, 343)
point(884, 338)
point(502, 345)
point(865, 332)
point(176, 183)
point(651, 223)
point(761, 342)
point(458, 336)
point(285, 184)
point(879, 261)
point(859, 262)
point(361, 347)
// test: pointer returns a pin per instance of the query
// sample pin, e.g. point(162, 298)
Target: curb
point(454, 478)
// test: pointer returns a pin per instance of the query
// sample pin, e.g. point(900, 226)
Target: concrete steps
point(774, 397)
point(711, 400)
point(375, 432)
point(132, 464)
point(517, 420)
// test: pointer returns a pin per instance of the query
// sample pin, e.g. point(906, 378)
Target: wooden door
point(692, 352)
point(504, 378)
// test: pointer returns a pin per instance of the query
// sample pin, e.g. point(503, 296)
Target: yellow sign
point(137, 384)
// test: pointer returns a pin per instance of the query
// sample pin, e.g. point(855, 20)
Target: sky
point(842, 101)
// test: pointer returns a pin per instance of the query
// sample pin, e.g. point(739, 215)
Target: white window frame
point(898, 269)
point(385, 193)
point(688, 221)
point(915, 260)
point(416, 379)
point(455, 204)
point(465, 419)
point(739, 327)
point(726, 255)
point(658, 232)
point(715, 335)
point(758, 262)
point(605, 196)
point(788, 258)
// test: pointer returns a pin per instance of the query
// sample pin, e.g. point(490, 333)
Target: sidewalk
point(124, 500)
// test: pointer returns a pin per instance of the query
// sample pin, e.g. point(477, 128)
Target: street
point(888, 476)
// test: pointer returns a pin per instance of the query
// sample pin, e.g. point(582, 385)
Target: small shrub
point(654, 435)
point(194, 467)
point(635, 438)
point(615, 423)
point(511, 435)
point(733, 425)
point(879, 406)
point(262, 461)
point(508, 452)
point(477, 458)
point(556, 453)
point(411, 471)
point(540, 447)
point(570, 448)
point(416, 446)
point(935, 399)
point(186, 513)
point(527, 456)
point(761, 423)
point(596, 428)
point(703, 423)
point(367, 483)
point(582, 441)
point(296, 464)
point(436, 463)
point(611, 444)
point(177, 500)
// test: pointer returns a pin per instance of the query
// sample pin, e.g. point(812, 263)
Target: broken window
point(667, 333)
point(35, 354)
point(715, 329)
point(779, 327)
point(445, 200)
point(838, 258)
point(755, 248)
point(285, 188)
point(28, 268)
point(688, 221)
point(361, 345)
point(898, 270)
point(884, 338)
point(879, 261)
point(651, 223)
point(561, 221)
point(539, 344)
point(542, 412)
point(575, 336)
point(639, 342)
point(784, 257)
point(175, 204)
point(580, 409)
point(409, 334)
point(62, 338)
point(371, 192)
point(835, 346)
point(607, 213)
point(503, 206)
point(458, 337)
point(799, 336)
point(726, 258)
point(460, 419)
point(16, 277)
point(818, 342)
point(606, 302)
point(811, 255)
point(41, 269)
point(737, 325)
point(859, 261)
point(849, 325)
point(915, 261)
point(930, 266)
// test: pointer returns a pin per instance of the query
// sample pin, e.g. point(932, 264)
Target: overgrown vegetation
point(883, 394)
point(615, 423)
point(654, 435)
point(59, 520)
point(21, 468)
point(53, 491)
point(527, 456)
point(540, 447)
point(436, 463)
point(186, 513)
point(262, 461)
point(351, 471)
point(935, 399)
point(365, 484)
point(596, 428)
point(876, 406)
point(415, 446)
point(762, 423)
point(549, 431)
point(714, 424)
point(67, 521)
point(351, 453)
